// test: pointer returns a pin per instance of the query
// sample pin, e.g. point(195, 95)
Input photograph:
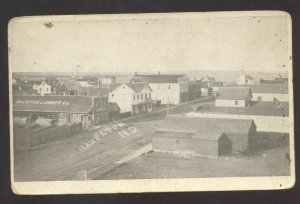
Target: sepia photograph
point(154, 102)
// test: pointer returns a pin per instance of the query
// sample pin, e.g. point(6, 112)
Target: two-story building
point(134, 98)
point(42, 88)
point(172, 89)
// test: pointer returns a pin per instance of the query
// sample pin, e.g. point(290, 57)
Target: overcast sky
point(250, 43)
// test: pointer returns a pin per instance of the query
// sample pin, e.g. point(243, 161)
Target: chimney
point(158, 72)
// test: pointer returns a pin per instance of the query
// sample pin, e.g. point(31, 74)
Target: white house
point(233, 97)
point(245, 79)
point(132, 97)
point(172, 89)
point(43, 88)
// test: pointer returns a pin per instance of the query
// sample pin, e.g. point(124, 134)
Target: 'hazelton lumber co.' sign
point(42, 102)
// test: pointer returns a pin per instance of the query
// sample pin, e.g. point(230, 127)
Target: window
point(75, 116)
point(149, 106)
point(40, 89)
point(145, 95)
point(101, 116)
point(169, 86)
point(133, 97)
point(236, 102)
point(137, 97)
point(141, 96)
point(47, 89)
point(61, 116)
point(150, 95)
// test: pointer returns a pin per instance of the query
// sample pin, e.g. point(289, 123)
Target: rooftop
point(234, 93)
point(207, 125)
point(175, 133)
point(72, 104)
point(265, 88)
point(158, 78)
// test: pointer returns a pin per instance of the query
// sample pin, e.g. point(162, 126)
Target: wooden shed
point(238, 131)
point(191, 142)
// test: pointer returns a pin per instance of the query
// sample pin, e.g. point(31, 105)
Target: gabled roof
point(72, 104)
point(158, 78)
point(234, 93)
point(71, 84)
point(138, 87)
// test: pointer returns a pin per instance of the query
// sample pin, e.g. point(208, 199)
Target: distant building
point(204, 87)
point(194, 91)
point(134, 98)
point(270, 92)
point(42, 88)
point(245, 79)
point(87, 81)
point(267, 92)
point(205, 136)
point(93, 91)
point(107, 80)
point(67, 87)
point(172, 89)
point(215, 85)
point(233, 97)
point(23, 88)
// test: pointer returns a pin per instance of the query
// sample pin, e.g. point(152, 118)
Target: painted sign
point(42, 102)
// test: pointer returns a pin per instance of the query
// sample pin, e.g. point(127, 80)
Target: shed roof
point(265, 88)
point(208, 125)
point(234, 93)
point(72, 104)
point(186, 134)
point(113, 106)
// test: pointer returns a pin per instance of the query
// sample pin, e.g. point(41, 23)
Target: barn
point(191, 142)
point(238, 131)
point(233, 96)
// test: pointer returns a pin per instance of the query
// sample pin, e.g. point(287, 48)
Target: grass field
point(266, 157)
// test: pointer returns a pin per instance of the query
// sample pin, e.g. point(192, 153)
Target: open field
point(268, 160)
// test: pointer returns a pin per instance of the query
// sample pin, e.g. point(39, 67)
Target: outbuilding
point(192, 142)
point(238, 131)
point(233, 96)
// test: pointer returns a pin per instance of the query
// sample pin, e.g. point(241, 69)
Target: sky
point(256, 43)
